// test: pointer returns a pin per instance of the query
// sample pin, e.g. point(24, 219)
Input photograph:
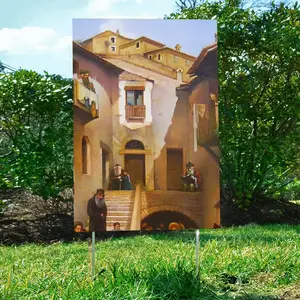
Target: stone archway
point(154, 209)
point(137, 146)
point(134, 138)
point(162, 220)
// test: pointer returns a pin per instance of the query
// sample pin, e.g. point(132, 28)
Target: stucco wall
point(161, 100)
point(99, 43)
point(131, 48)
point(150, 47)
point(97, 130)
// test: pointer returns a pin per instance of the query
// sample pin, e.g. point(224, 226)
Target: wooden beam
point(135, 151)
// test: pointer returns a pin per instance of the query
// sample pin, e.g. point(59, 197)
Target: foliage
point(259, 96)
point(251, 262)
point(36, 132)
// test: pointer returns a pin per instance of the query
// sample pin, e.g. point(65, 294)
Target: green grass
point(251, 262)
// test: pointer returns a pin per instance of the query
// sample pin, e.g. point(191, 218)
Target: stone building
point(151, 116)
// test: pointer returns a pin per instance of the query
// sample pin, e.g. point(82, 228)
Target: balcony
point(136, 113)
point(86, 100)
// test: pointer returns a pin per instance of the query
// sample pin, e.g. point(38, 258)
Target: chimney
point(216, 38)
point(118, 32)
point(178, 47)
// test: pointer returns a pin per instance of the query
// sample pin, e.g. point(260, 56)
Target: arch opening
point(135, 144)
point(162, 219)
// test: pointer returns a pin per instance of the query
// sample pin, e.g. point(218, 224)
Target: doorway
point(105, 168)
point(174, 169)
point(135, 165)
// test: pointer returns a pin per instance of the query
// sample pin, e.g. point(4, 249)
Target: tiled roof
point(138, 70)
point(172, 50)
point(99, 34)
point(202, 55)
point(79, 48)
point(145, 39)
point(132, 77)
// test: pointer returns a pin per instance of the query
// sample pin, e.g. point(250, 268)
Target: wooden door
point(174, 169)
point(135, 165)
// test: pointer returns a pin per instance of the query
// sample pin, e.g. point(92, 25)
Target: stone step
point(118, 201)
point(119, 218)
point(119, 206)
point(119, 193)
point(173, 192)
point(122, 196)
point(123, 224)
point(111, 228)
point(119, 212)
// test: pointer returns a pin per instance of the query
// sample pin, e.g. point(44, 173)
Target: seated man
point(190, 176)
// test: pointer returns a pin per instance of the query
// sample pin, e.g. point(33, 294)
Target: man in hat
point(97, 211)
point(190, 175)
point(117, 177)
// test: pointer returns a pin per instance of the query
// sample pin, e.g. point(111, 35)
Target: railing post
point(136, 213)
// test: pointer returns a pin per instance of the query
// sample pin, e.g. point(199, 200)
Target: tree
point(36, 133)
point(259, 96)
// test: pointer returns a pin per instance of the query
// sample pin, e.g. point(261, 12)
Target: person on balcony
point(85, 80)
point(126, 183)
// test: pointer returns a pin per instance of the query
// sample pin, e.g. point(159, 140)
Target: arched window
point(179, 74)
point(135, 144)
point(75, 67)
point(85, 155)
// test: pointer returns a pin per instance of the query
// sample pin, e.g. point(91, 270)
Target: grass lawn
point(251, 262)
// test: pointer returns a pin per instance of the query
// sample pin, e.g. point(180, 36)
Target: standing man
point(117, 177)
point(97, 211)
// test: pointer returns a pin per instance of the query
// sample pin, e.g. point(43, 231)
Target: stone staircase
point(119, 208)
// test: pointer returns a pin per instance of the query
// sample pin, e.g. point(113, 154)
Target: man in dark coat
point(97, 211)
point(117, 177)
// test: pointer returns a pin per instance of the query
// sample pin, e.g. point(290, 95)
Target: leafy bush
point(36, 132)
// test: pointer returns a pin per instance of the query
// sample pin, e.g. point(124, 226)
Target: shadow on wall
point(177, 137)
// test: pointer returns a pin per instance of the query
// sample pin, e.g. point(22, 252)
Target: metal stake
point(93, 255)
point(197, 252)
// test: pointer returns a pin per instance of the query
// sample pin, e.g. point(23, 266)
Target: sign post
point(93, 255)
point(197, 252)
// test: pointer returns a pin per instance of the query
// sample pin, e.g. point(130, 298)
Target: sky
point(37, 34)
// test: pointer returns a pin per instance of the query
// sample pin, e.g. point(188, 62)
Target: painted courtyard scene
point(146, 153)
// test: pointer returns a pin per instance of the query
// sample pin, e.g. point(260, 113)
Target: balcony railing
point(135, 113)
point(85, 99)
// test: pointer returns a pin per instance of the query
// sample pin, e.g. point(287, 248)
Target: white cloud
point(100, 6)
point(32, 40)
